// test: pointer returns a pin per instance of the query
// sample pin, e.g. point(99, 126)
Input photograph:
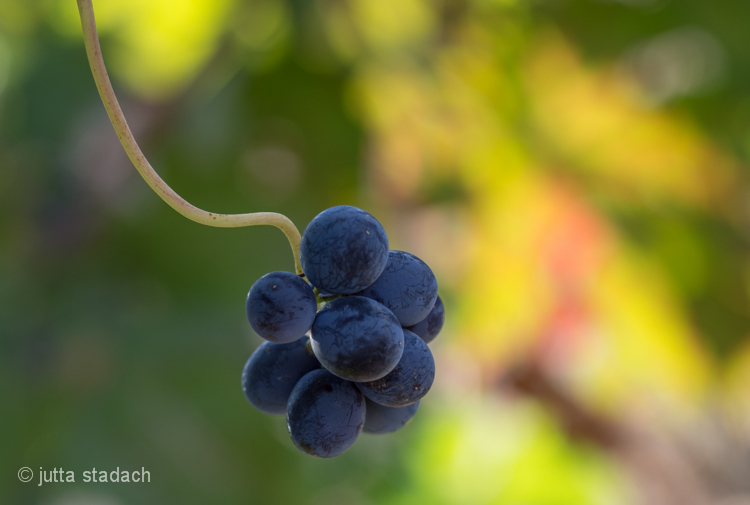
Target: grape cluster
point(359, 363)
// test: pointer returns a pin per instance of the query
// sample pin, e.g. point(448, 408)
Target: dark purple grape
point(281, 307)
point(429, 327)
point(343, 250)
point(272, 372)
point(325, 414)
point(407, 286)
point(357, 339)
point(409, 381)
point(381, 419)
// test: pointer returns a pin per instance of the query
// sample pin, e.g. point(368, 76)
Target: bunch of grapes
point(361, 362)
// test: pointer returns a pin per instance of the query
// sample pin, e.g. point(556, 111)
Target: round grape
point(325, 414)
point(343, 250)
point(272, 372)
point(429, 327)
point(409, 381)
point(357, 338)
point(281, 307)
point(407, 286)
point(381, 419)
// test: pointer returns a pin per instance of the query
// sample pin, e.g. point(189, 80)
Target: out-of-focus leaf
point(157, 45)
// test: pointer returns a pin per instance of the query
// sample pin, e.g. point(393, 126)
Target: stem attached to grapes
point(94, 52)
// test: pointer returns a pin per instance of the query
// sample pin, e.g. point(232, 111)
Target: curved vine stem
point(94, 53)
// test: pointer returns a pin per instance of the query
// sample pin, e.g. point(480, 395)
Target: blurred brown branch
point(666, 469)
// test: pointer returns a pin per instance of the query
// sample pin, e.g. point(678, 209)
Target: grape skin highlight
point(281, 307)
point(343, 250)
point(407, 287)
point(325, 414)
